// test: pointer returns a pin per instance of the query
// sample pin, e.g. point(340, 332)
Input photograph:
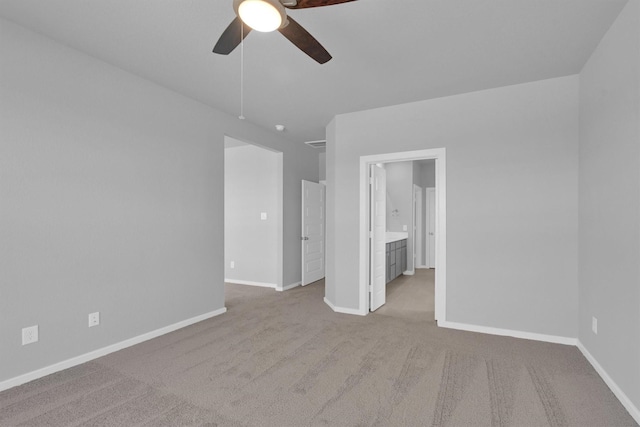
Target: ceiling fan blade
point(231, 37)
point(302, 4)
point(305, 41)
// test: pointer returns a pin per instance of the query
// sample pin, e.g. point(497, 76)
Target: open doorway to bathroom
point(414, 233)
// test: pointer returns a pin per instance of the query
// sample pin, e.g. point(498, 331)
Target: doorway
point(408, 290)
point(313, 232)
point(253, 220)
point(368, 233)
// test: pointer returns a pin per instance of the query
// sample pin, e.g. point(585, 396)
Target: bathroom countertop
point(394, 236)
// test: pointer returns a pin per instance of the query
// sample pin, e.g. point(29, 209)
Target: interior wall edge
point(344, 310)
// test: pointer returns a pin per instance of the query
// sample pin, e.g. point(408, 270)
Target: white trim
point(439, 154)
point(291, 286)
point(87, 357)
point(617, 391)
point(427, 221)
point(441, 238)
point(279, 217)
point(409, 272)
point(343, 309)
point(508, 333)
point(418, 233)
point(251, 283)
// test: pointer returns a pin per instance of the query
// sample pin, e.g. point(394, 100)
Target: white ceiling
point(385, 52)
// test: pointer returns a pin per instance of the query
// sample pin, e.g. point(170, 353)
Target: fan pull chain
point(241, 117)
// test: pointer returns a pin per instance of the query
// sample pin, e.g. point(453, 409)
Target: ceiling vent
point(321, 143)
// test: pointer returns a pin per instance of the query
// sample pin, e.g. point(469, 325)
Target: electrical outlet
point(232, 264)
point(263, 216)
point(594, 325)
point(404, 228)
point(94, 319)
point(29, 335)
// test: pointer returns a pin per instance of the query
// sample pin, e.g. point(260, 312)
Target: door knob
point(304, 238)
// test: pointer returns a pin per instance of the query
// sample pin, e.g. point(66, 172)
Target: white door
point(431, 227)
point(417, 227)
point(377, 242)
point(313, 198)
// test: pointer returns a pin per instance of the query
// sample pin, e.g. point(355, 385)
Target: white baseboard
point(74, 361)
point(409, 272)
point(508, 333)
point(622, 397)
point(343, 309)
point(250, 283)
point(291, 286)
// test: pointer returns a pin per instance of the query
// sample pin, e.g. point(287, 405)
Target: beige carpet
point(411, 297)
point(285, 359)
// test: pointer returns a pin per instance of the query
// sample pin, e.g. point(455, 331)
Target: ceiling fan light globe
point(261, 15)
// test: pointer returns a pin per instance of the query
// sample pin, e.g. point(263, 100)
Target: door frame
point(427, 223)
point(278, 216)
point(439, 155)
point(418, 234)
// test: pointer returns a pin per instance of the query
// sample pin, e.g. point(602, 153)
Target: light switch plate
point(263, 216)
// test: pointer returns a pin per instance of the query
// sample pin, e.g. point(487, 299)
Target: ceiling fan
point(270, 15)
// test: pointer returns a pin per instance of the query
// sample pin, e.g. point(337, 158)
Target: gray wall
point(111, 200)
point(512, 203)
point(322, 164)
point(610, 202)
point(428, 174)
point(252, 180)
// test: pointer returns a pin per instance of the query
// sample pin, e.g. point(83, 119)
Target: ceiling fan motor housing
point(276, 5)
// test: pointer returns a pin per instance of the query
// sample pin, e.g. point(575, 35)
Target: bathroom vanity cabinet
point(396, 258)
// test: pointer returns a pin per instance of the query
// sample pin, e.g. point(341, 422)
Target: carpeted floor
point(285, 359)
point(411, 297)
